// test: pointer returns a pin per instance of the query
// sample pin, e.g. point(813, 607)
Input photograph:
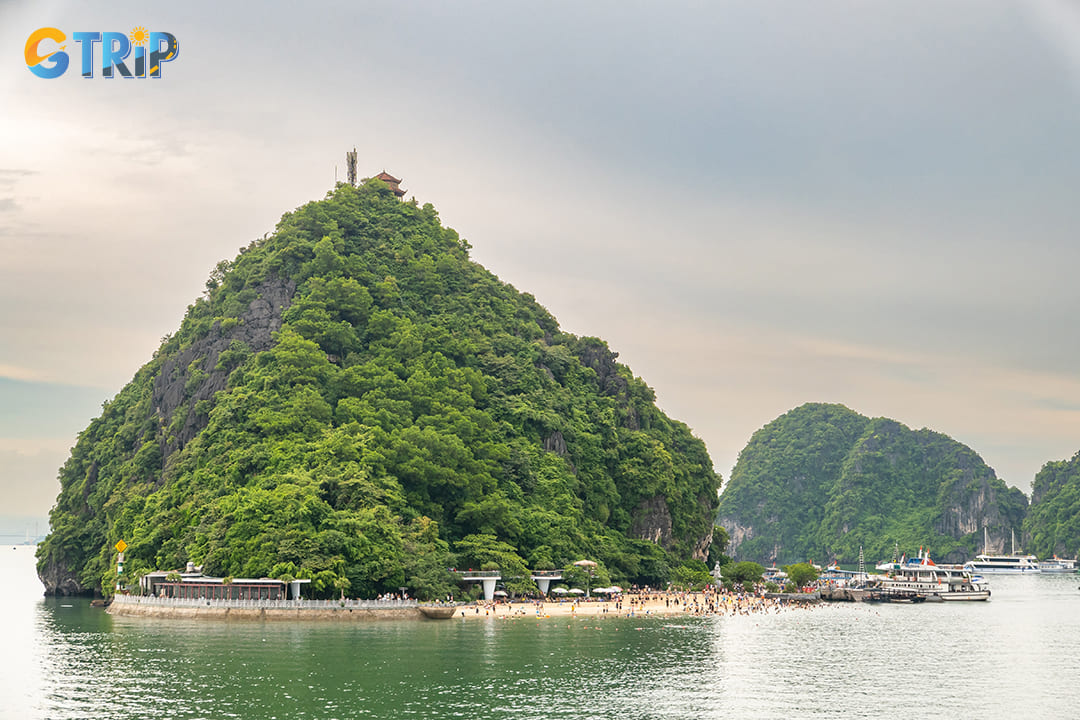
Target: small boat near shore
point(894, 596)
point(437, 612)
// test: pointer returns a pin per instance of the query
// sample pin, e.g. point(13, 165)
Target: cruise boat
point(1011, 563)
point(922, 579)
point(1003, 564)
point(774, 574)
point(1057, 565)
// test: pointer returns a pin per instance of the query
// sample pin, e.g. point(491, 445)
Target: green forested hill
point(1052, 526)
point(821, 480)
point(355, 401)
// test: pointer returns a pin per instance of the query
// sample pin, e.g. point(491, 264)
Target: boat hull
point(933, 595)
point(437, 612)
point(965, 595)
point(1058, 566)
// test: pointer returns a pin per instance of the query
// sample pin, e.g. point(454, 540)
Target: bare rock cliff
point(198, 372)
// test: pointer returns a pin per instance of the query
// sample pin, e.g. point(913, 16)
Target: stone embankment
point(273, 610)
point(844, 594)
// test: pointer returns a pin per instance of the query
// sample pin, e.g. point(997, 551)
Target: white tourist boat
point(1057, 565)
point(774, 574)
point(922, 579)
point(1003, 564)
point(1013, 563)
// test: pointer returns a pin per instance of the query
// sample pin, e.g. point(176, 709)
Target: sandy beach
point(628, 606)
point(568, 608)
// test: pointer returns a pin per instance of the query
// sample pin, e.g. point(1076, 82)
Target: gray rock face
point(60, 581)
point(604, 363)
point(555, 443)
point(652, 521)
point(975, 508)
point(195, 374)
point(701, 550)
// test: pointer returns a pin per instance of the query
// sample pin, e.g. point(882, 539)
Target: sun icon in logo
point(139, 36)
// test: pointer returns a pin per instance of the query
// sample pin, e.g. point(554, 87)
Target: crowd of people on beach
point(645, 602)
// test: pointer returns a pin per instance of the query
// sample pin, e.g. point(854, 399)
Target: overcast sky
point(756, 204)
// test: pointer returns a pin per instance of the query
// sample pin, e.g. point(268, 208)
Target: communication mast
point(350, 164)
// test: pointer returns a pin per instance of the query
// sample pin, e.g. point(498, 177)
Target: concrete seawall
point(223, 610)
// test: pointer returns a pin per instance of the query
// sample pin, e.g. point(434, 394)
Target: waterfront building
point(193, 585)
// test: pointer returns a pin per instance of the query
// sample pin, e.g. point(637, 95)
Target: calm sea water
point(1017, 655)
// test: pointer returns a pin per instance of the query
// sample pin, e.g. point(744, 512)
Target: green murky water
point(1018, 653)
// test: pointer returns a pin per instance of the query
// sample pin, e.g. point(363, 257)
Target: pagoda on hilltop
point(350, 173)
point(392, 181)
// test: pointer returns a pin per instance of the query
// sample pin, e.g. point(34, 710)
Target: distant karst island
point(823, 481)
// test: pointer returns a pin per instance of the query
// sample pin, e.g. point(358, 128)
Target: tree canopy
point(354, 398)
point(745, 571)
point(801, 574)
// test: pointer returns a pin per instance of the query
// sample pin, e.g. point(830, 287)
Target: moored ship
point(1003, 564)
point(922, 579)
point(1057, 565)
point(1013, 563)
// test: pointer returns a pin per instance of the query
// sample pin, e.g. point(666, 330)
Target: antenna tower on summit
point(350, 164)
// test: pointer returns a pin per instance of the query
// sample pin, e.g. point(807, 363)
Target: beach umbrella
point(615, 589)
point(501, 593)
point(577, 591)
point(559, 591)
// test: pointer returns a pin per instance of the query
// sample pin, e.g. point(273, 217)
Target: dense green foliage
point(692, 575)
point(743, 572)
point(801, 574)
point(821, 481)
point(408, 413)
point(1052, 526)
